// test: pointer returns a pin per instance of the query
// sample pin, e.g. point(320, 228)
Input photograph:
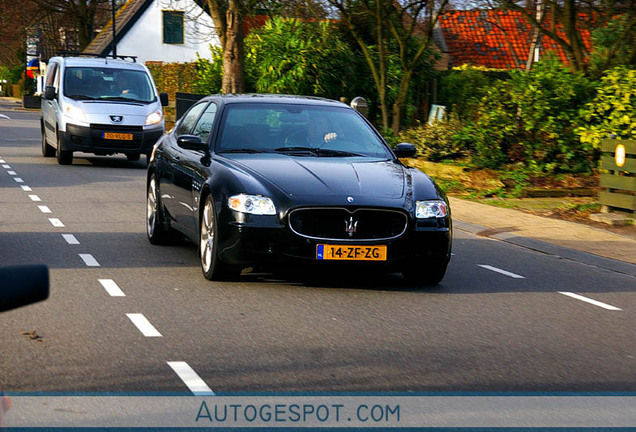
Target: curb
point(549, 248)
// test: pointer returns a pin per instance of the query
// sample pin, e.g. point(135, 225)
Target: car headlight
point(154, 118)
point(431, 209)
point(254, 204)
point(76, 113)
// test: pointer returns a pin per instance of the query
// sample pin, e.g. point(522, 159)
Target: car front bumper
point(92, 139)
point(252, 244)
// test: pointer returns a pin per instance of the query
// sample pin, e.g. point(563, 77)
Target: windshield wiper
point(81, 97)
point(242, 150)
point(333, 152)
point(317, 151)
point(123, 99)
point(310, 150)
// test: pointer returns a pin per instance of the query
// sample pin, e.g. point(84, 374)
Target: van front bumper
point(108, 139)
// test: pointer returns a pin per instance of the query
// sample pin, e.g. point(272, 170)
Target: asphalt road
point(480, 330)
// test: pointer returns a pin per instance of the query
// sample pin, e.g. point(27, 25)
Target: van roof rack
point(106, 56)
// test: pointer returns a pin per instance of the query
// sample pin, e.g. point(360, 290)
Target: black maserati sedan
point(286, 180)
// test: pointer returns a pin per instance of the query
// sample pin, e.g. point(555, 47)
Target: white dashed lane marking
point(44, 209)
point(503, 272)
point(18, 180)
point(6, 166)
point(35, 198)
point(12, 173)
point(590, 301)
point(89, 260)
point(56, 222)
point(26, 188)
point(70, 239)
point(193, 381)
point(144, 326)
point(111, 288)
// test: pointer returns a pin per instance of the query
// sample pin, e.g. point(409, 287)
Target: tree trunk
point(233, 75)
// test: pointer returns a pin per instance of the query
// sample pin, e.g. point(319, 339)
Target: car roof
point(275, 99)
point(99, 62)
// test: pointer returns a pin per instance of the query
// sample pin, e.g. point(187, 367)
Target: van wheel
point(64, 157)
point(47, 150)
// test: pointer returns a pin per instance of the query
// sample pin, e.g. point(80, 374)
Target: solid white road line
point(111, 288)
point(144, 326)
point(590, 301)
point(35, 198)
point(191, 379)
point(89, 260)
point(26, 188)
point(70, 239)
point(44, 209)
point(18, 180)
point(503, 272)
point(56, 222)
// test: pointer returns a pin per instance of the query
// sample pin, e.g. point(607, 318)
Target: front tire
point(133, 156)
point(157, 232)
point(47, 150)
point(427, 275)
point(213, 268)
point(64, 157)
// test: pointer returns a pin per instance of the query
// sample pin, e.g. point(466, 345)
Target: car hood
point(310, 176)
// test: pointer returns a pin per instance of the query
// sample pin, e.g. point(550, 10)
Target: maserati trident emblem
point(351, 226)
point(116, 118)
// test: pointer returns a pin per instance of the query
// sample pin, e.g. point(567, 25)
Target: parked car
point(266, 179)
point(99, 105)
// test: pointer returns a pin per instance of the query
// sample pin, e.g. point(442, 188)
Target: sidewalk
point(547, 235)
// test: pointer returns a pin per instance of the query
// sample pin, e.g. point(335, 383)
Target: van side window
point(51, 75)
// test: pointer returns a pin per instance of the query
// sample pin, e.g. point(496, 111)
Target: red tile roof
point(494, 38)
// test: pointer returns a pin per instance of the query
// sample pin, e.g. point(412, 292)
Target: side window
point(50, 76)
point(173, 27)
point(204, 125)
point(188, 120)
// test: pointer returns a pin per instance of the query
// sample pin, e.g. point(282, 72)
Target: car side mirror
point(191, 142)
point(163, 97)
point(405, 150)
point(49, 93)
point(23, 285)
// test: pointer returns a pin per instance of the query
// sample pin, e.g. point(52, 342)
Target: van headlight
point(254, 204)
point(75, 113)
point(154, 118)
point(431, 209)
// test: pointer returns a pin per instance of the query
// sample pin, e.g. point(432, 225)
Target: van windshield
point(90, 83)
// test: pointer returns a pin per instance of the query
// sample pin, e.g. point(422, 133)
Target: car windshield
point(298, 130)
point(91, 83)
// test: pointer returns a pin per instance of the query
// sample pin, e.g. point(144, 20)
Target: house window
point(172, 27)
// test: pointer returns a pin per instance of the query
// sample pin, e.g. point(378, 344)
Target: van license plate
point(118, 136)
point(351, 253)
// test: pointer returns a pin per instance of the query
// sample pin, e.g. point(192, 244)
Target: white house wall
point(145, 38)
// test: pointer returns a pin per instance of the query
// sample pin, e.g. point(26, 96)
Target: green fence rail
point(618, 175)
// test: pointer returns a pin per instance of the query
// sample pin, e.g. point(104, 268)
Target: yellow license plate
point(118, 136)
point(351, 253)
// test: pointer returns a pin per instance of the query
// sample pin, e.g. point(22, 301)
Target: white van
point(101, 105)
